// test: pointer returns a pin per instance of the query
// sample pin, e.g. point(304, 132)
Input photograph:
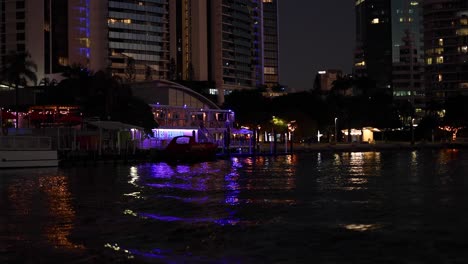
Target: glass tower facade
point(407, 53)
point(270, 43)
point(373, 56)
point(138, 38)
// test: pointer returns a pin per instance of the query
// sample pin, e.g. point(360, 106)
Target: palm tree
point(18, 68)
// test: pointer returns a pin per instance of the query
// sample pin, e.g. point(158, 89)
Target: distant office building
point(373, 56)
point(270, 43)
point(325, 79)
point(407, 53)
point(389, 48)
point(446, 48)
point(408, 79)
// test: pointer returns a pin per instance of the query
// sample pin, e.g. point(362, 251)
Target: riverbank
point(84, 158)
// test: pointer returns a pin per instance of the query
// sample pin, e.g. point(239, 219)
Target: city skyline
point(314, 35)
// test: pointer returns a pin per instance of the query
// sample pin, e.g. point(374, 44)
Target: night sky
point(314, 35)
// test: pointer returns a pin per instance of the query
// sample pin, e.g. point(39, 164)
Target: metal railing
point(25, 143)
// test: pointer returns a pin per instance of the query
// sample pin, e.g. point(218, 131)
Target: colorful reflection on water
point(357, 207)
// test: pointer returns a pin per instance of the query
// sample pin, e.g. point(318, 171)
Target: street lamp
point(412, 131)
point(336, 118)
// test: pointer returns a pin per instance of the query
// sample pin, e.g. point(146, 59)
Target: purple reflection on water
point(179, 186)
point(222, 221)
point(161, 170)
point(155, 253)
point(186, 200)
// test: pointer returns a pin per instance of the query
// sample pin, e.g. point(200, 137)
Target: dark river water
point(363, 207)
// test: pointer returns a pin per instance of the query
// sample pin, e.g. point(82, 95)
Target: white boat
point(27, 152)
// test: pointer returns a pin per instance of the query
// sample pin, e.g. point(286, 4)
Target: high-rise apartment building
point(270, 43)
point(446, 48)
point(138, 35)
point(189, 39)
point(56, 33)
point(99, 35)
point(231, 44)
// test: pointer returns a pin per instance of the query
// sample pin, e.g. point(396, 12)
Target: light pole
point(336, 118)
point(412, 131)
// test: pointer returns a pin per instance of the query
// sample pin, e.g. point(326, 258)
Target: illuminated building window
point(462, 32)
point(463, 49)
point(440, 59)
point(358, 2)
point(269, 70)
point(440, 78)
point(414, 3)
point(63, 61)
point(267, 1)
point(441, 42)
point(361, 63)
point(439, 51)
point(429, 61)
point(464, 21)
point(375, 21)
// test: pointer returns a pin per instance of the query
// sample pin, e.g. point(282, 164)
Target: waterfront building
point(181, 111)
point(446, 48)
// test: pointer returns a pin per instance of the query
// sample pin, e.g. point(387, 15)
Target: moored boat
point(27, 152)
point(186, 148)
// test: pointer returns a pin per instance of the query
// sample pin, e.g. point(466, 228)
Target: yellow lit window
point(439, 50)
point(464, 21)
point(462, 32)
point(414, 3)
point(440, 59)
point(463, 49)
point(429, 61)
point(358, 2)
point(375, 21)
point(441, 42)
point(361, 63)
point(63, 61)
point(439, 77)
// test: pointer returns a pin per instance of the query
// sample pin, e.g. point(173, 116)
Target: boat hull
point(28, 158)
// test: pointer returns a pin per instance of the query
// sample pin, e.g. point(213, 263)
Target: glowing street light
point(336, 118)
point(412, 131)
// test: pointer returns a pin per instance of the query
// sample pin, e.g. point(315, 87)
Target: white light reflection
point(133, 176)
point(362, 227)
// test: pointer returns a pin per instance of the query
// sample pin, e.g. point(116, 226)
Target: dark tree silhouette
point(18, 68)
